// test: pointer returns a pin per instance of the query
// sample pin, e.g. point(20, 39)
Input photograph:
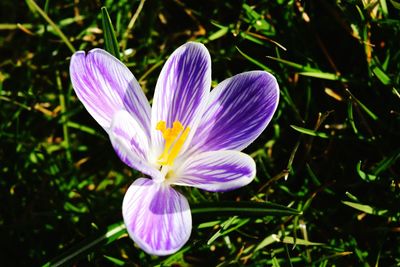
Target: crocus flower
point(189, 137)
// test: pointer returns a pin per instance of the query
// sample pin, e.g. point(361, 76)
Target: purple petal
point(104, 85)
point(156, 216)
point(131, 143)
point(217, 171)
point(239, 109)
point(182, 90)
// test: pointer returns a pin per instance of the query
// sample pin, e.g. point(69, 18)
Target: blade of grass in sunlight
point(63, 111)
point(323, 75)
point(252, 60)
point(384, 7)
point(364, 107)
point(350, 116)
point(287, 239)
point(382, 76)
point(84, 129)
point(365, 208)
point(115, 261)
point(365, 176)
point(228, 226)
point(219, 34)
point(111, 43)
point(309, 71)
point(258, 20)
point(310, 132)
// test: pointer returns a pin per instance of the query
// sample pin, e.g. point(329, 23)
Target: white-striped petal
point(216, 171)
point(105, 85)
point(131, 143)
point(157, 217)
point(182, 90)
point(238, 111)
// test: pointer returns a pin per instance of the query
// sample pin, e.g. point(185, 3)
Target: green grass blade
point(85, 129)
point(293, 64)
point(115, 261)
point(298, 241)
point(365, 176)
point(310, 132)
point(396, 4)
point(244, 208)
point(266, 242)
point(252, 60)
point(218, 34)
point(251, 38)
point(384, 7)
point(364, 107)
point(381, 75)
point(309, 71)
point(350, 117)
point(323, 75)
point(230, 225)
point(387, 162)
point(365, 208)
point(110, 39)
point(131, 24)
point(287, 240)
point(61, 97)
point(64, 38)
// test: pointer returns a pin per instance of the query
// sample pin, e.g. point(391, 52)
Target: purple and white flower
point(189, 137)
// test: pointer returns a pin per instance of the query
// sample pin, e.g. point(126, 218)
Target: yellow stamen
point(174, 137)
point(178, 146)
point(161, 126)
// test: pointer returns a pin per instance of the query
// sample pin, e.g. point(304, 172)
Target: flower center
point(174, 137)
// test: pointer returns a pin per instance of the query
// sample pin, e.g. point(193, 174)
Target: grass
point(328, 160)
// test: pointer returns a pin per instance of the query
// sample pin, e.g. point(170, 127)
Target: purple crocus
point(189, 137)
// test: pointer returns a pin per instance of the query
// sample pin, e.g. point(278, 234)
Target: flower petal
point(239, 109)
point(104, 85)
point(182, 90)
point(156, 216)
point(217, 170)
point(131, 143)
